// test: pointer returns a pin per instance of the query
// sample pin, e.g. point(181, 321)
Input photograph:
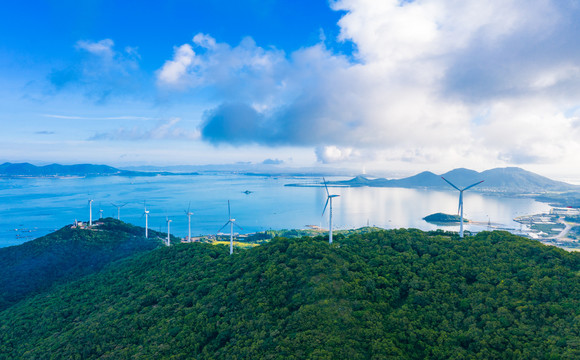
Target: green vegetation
point(67, 255)
point(550, 229)
point(440, 218)
point(267, 235)
point(401, 294)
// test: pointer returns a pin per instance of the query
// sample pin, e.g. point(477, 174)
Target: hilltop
point(402, 294)
point(510, 180)
point(67, 255)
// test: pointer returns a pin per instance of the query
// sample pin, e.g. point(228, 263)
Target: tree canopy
point(402, 294)
point(66, 255)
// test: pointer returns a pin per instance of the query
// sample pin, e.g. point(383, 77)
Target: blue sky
point(389, 86)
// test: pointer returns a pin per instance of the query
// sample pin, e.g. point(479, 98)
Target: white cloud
point(173, 71)
point(486, 81)
point(102, 48)
point(332, 154)
point(204, 41)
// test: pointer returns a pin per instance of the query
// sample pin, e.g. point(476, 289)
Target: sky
point(384, 87)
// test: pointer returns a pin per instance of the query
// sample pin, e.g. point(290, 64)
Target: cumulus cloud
point(173, 71)
point(333, 154)
point(164, 130)
point(498, 77)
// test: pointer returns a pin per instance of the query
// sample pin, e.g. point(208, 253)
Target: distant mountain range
point(56, 170)
point(511, 180)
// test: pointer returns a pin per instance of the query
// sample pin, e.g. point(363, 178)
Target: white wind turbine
point(231, 222)
point(146, 214)
point(91, 212)
point(168, 229)
point(329, 201)
point(119, 209)
point(460, 209)
point(189, 213)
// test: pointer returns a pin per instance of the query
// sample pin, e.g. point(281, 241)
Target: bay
point(31, 208)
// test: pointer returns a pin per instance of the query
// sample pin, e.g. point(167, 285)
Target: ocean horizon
point(33, 207)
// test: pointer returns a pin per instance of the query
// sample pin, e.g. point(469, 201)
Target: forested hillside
point(401, 294)
point(67, 255)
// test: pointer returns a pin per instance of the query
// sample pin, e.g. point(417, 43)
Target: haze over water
point(38, 206)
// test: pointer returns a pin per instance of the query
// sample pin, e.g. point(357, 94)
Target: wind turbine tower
point(119, 209)
point(231, 221)
point(189, 213)
point(91, 212)
point(329, 202)
point(460, 209)
point(168, 228)
point(146, 214)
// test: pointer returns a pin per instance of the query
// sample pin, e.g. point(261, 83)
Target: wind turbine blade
point(226, 224)
point(460, 202)
point(241, 228)
point(477, 183)
point(326, 187)
point(449, 182)
point(188, 207)
point(325, 206)
point(229, 212)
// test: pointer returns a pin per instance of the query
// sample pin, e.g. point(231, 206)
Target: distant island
point(23, 170)
point(504, 180)
point(511, 181)
point(440, 218)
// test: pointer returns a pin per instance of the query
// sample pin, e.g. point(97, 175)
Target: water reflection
point(42, 205)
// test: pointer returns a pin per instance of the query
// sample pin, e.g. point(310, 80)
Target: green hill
point(441, 218)
point(401, 294)
point(67, 255)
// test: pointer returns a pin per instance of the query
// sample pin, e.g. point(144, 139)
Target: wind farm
point(405, 172)
point(287, 210)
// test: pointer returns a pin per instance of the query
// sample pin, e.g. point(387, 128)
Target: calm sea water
point(30, 208)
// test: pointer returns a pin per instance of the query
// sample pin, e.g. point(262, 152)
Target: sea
point(33, 207)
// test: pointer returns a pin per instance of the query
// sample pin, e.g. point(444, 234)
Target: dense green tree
point(67, 255)
point(401, 294)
